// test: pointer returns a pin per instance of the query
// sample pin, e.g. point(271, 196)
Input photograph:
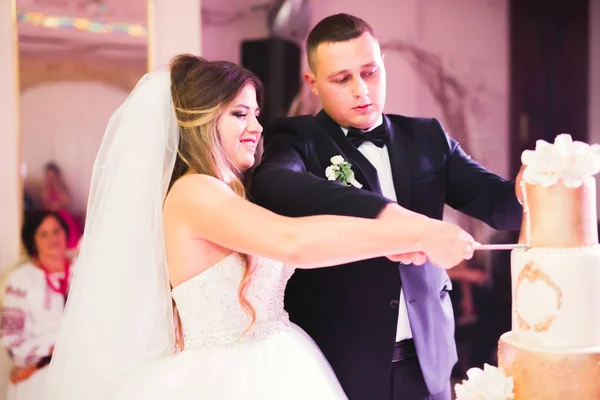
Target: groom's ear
point(311, 80)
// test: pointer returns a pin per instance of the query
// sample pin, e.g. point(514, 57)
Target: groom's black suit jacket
point(351, 310)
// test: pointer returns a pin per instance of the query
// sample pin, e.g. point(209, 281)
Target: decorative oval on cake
point(534, 274)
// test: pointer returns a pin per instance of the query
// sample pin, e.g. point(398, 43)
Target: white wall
point(471, 36)
point(223, 42)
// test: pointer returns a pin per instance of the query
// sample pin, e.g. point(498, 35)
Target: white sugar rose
point(544, 165)
point(488, 384)
point(584, 162)
point(565, 160)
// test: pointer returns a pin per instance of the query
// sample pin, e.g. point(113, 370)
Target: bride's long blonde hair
point(202, 90)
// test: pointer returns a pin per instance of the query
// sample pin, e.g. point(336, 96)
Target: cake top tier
point(559, 194)
point(566, 161)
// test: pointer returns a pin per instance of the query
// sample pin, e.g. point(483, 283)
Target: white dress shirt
point(380, 159)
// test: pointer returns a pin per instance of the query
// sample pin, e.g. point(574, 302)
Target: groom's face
point(349, 78)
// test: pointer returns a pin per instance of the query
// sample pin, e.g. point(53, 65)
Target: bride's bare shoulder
point(195, 189)
point(190, 181)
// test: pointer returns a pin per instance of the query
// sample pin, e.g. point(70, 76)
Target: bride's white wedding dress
point(274, 360)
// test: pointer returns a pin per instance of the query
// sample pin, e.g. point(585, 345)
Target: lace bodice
point(210, 311)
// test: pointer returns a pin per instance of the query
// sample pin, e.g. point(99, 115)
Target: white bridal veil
point(119, 312)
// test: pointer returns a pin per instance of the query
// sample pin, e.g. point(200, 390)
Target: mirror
point(78, 61)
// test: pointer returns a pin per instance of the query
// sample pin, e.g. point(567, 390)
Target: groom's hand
point(518, 188)
point(417, 258)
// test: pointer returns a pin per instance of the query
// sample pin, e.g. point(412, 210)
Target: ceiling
point(40, 41)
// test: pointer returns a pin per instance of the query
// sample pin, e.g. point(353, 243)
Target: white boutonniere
point(341, 170)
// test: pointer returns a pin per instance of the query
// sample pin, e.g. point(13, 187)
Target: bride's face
point(239, 129)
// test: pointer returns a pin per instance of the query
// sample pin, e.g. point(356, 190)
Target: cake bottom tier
point(547, 374)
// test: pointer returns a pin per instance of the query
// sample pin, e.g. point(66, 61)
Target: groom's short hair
point(335, 28)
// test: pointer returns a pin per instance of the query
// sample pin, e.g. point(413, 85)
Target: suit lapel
point(396, 145)
point(365, 172)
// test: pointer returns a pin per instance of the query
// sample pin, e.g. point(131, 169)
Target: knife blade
point(507, 246)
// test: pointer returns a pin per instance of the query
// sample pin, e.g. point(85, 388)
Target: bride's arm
point(215, 213)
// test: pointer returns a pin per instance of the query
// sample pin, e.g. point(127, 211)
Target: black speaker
point(277, 63)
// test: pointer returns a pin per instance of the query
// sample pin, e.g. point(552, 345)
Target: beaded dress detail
point(274, 360)
point(211, 313)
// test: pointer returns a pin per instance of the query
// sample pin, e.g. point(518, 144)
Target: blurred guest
point(27, 201)
point(467, 278)
point(33, 302)
point(56, 197)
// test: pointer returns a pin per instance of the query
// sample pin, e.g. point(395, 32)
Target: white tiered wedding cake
point(553, 350)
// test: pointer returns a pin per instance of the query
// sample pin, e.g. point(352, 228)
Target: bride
point(167, 219)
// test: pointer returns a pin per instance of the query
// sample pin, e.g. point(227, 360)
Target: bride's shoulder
point(197, 183)
point(196, 179)
point(195, 189)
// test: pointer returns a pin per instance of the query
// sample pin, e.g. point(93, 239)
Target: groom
point(386, 328)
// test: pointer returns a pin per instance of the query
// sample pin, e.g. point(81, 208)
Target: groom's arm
point(283, 184)
point(476, 191)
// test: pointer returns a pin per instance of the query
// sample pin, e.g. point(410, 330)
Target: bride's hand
point(446, 244)
point(416, 258)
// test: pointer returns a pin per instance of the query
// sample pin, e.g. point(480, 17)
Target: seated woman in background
point(33, 302)
point(56, 197)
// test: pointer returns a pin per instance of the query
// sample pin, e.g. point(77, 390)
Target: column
point(11, 194)
point(174, 27)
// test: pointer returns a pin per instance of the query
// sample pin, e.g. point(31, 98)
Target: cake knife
point(500, 246)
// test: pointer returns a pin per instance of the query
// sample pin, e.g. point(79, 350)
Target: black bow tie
point(377, 136)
